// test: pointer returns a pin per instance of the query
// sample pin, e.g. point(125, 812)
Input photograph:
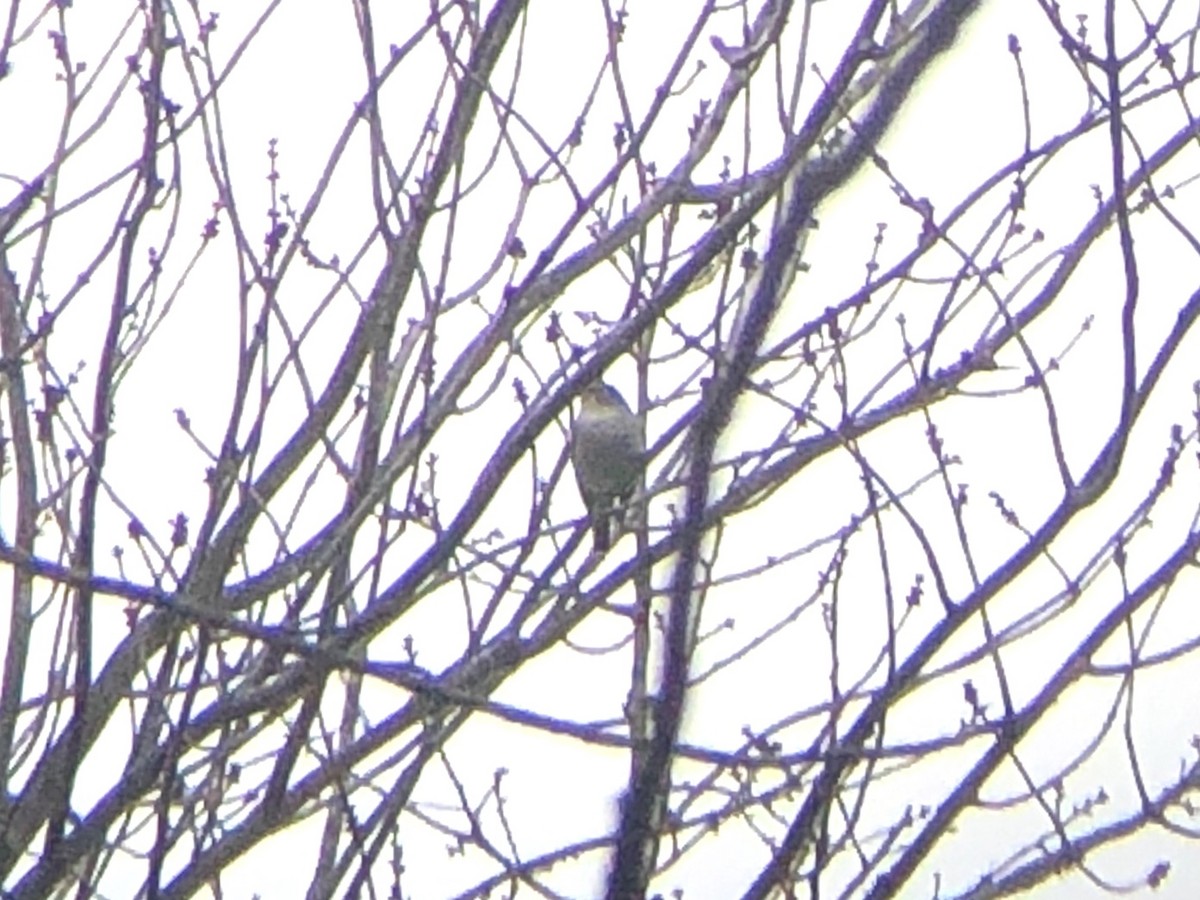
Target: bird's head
point(600, 398)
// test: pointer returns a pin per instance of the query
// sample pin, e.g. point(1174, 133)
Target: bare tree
point(300, 587)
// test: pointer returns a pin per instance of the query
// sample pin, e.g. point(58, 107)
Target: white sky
point(297, 84)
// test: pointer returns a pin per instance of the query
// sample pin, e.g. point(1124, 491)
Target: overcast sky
point(296, 86)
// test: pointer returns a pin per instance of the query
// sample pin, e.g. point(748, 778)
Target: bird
point(607, 453)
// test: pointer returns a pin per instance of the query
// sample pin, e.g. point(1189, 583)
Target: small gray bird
point(607, 451)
